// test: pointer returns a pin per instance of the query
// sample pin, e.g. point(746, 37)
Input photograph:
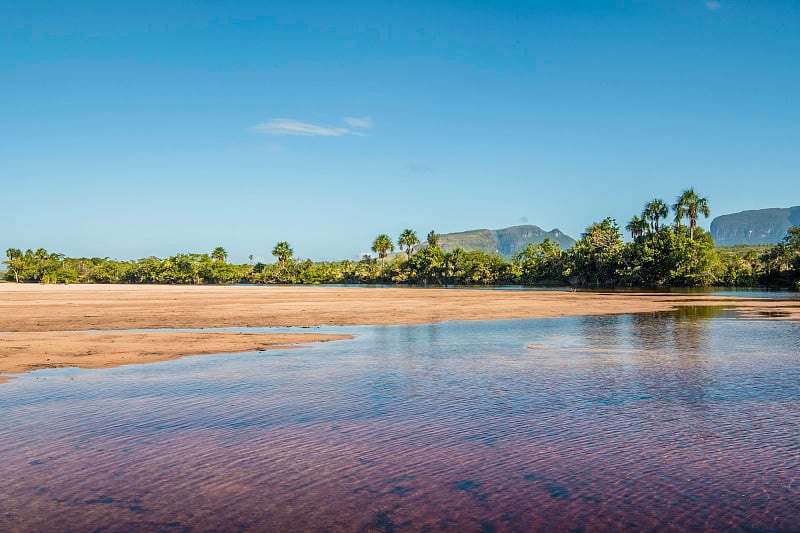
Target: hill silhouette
point(504, 242)
point(760, 226)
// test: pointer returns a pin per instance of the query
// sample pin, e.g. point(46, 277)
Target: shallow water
point(668, 421)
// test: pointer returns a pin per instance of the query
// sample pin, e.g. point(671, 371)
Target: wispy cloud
point(362, 123)
point(712, 5)
point(289, 126)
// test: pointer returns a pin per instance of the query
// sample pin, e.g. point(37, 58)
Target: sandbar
point(84, 325)
point(25, 351)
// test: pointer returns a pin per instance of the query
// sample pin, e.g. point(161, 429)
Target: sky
point(135, 129)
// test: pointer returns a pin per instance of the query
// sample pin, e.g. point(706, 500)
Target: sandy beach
point(84, 325)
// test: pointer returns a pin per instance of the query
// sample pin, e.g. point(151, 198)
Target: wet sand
point(26, 351)
point(46, 325)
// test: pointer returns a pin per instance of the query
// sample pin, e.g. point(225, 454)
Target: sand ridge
point(46, 325)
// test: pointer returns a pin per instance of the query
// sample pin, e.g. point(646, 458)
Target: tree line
point(659, 254)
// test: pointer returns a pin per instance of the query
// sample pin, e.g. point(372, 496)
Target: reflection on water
point(658, 421)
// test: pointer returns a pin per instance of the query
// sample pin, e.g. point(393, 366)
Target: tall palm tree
point(433, 239)
point(219, 254)
point(655, 210)
point(637, 226)
point(382, 245)
point(408, 239)
point(282, 251)
point(689, 205)
point(15, 262)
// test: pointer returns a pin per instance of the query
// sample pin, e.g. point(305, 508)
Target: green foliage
point(382, 245)
point(219, 254)
point(670, 257)
point(782, 262)
point(425, 267)
point(475, 268)
point(690, 205)
point(541, 263)
point(597, 257)
point(433, 239)
point(637, 227)
point(408, 239)
point(282, 251)
point(15, 262)
point(658, 256)
point(654, 211)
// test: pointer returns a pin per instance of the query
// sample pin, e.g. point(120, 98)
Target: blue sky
point(130, 129)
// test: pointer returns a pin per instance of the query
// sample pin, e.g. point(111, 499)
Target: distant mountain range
point(761, 226)
point(505, 242)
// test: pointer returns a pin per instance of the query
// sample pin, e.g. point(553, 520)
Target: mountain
point(761, 226)
point(505, 242)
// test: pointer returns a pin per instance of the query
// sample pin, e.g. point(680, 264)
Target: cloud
point(522, 220)
point(363, 123)
point(712, 5)
point(414, 166)
point(288, 126)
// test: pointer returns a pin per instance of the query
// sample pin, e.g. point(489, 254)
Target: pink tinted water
point(653, 422)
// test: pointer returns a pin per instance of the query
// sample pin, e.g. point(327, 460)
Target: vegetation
point(656, 256)
point(690, 205)
point(382, 246)
point(408, 239)
point(654, 211)
point(283, 252)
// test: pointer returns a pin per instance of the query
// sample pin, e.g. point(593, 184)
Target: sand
point(50, 325)
point(26, 351)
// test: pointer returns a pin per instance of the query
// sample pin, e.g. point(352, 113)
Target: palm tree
point(654, 210)
point(433, 239)
point(408, 239)
point(282, 251)
point(14, 262)
point(219, 254)
point(637, 226)
point(382, 245)
point(690, 205)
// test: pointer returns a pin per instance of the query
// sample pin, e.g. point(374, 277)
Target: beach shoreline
point(85, 325)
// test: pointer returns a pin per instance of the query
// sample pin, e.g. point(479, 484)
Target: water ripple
point(613, 423)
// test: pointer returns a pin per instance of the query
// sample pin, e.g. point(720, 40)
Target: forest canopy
point(658, 254)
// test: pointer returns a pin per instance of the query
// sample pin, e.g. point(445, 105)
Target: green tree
point(185, 268)
point(655, 210)
point(382, 245)
point(425, 266)
point(433, 239)
point(15, 262)
point(690, 205)
point(219, 254)
point(782, 261)
point(408, 239)
point(637, 226)
point(597, 256)
point(671, 257)
point(792, 239)
point(106, 271)
point(283, 252)
point(541, 262)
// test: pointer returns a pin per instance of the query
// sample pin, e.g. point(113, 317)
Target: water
point(667, 421)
